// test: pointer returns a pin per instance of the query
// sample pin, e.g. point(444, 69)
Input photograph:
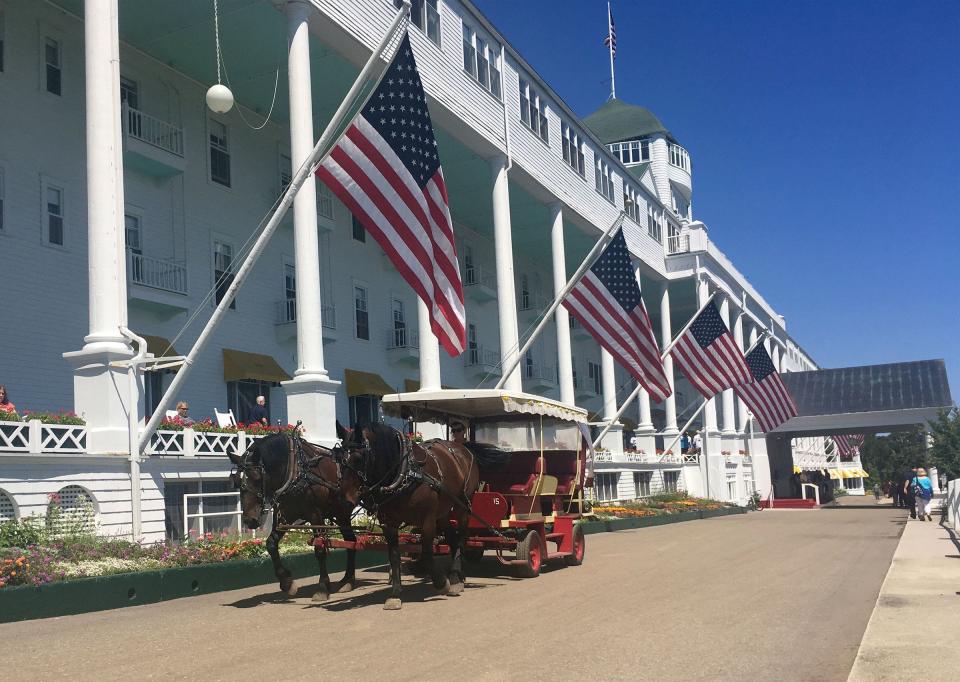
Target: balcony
point(480, 284)
point(285, 320)
point(539, 376)
point(403, 345)
point(678, 243)
point(532, 303)
point(584, 386)
point(482, 363)
point(577, 331)
point(150, 145)
point(161, 283)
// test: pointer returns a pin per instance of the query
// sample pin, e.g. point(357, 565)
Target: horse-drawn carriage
point(509, 481)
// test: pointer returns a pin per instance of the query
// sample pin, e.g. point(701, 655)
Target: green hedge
point(83, 595)
point(612, 525)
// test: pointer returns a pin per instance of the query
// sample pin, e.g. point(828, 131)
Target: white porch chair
point(225, 419)
point(170, 414)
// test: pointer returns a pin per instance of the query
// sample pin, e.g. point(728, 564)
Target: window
point(680, 205)
point(636, 151)
point(364, 410)
point(641, 483)
point(653, 224)
point(593, 373)
point(223, 271)
point(131, 233)
point(174, 513)
point(289, 292)
point(242, 396)
point(732, 487)
point(604, 178)
point(469, 271)
point(399, 324)
point(679, 157)
point(572, 148)
point(219, 154)
point(361, 315)
point(51, 57)
point(286, 172)
point(54, 215)
point(425, 15)
point(670, 479)
point(524, 292)
point(359, 231)
point(324, 201)
point(631, 203)
point(129, 93)
point(606, 485)
point(481, 60)
point(533, 112)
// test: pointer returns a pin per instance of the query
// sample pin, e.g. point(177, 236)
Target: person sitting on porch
point(258, 413)
point(5, 404)
point(685, 442)
point(182, 413)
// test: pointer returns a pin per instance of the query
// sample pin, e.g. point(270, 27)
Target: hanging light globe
point(219, 98)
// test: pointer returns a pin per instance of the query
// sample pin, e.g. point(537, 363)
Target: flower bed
point(208, 426)
point(657, 505)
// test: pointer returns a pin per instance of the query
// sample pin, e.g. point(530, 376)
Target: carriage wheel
point(530, 550)
point(579, 547)
point(473, 554)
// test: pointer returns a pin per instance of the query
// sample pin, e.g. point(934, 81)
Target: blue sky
point(825, 142)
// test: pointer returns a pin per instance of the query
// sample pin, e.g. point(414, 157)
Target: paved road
point(776, 594)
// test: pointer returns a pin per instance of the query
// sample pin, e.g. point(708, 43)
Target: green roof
point(639, 170)
point(616, 121)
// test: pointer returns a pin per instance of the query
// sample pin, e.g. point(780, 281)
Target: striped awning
point(365, 383)
point(239, 365)
point(834, 473)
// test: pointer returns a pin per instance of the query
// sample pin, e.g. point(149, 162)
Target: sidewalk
point(914, 631)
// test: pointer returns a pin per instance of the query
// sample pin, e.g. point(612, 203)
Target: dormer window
point(635, 151)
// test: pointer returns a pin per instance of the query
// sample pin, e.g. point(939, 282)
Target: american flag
point(708, 354)
point(849, 445)
point(608, 304)
point(386, 169)
point(765, 394)
point(611, 39)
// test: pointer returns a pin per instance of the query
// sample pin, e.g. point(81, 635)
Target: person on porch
point(183, 410)
point(258, 413)
point(5, 404)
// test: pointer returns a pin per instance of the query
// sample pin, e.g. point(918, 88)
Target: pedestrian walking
point(907, 487)
point(923, 494)
point(876, 492)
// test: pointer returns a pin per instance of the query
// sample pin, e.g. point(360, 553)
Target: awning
point(834, 473)
point(239, 365)
point(411, 385)
point(365, 383)
point(159, 346)
point(628, 424)
point(796, 469)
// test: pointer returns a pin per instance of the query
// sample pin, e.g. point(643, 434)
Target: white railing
point(488, 360)
point(532, 302)
point(476, 275)
point(691, 459)
point(287, 311)
point(678, 243)
point(153, 131)
point(816, 491)
point(191, 443)
point(157, 274)
point(402, 337)
point(34, 437)
point(537, 371)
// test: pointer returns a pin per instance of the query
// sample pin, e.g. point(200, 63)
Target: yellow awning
point(796, 469)
point(834, 473)
point(159, 346)
point(239, 365)
point(411, 385)
point(365, 383)
point(864, 474)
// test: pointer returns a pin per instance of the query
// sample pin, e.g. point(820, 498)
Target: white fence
point(953, 503)
point(157, 274)
point(153, 131)
point(34, 437)
point(191, 443)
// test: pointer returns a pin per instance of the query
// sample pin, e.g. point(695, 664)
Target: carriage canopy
point(478, 404)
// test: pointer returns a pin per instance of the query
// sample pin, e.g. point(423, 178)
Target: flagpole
point(558, 299)
point(613, 81)
point(319, 153)
point(636, 391)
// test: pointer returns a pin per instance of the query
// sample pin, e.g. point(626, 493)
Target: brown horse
point(409, 484)
point(300, 481)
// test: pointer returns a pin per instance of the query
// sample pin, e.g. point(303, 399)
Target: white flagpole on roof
point(595, 252)
point(323, 147)
point(613, 80)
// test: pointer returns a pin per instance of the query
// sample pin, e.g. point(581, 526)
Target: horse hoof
point(444, 588)
point(392, 604)
point(292, 588)
point(455, 589)
point(320, 595)
point(345, 586)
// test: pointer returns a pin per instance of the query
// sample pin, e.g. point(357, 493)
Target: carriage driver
point(458, 432)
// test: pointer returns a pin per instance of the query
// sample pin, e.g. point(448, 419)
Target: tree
point(887, 457)
point(945, 453)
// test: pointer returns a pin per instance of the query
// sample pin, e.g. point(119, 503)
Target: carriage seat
point(565, 469)
point(518, 476)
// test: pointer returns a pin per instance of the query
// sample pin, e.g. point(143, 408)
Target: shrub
point(63, 418)
point(21, 533)
point(6, 416)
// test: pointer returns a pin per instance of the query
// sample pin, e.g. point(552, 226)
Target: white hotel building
point(123, 199)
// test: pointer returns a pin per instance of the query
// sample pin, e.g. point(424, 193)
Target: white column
point(754, 335)
point(101, 392)
point(429, 350)
point(564, 352)
point(741, 407)
point(645, 421)
point(311, 395)
point(506, 291)
point(729, 417)
point(608, 384)
point(710, 411)
point(666, 336)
